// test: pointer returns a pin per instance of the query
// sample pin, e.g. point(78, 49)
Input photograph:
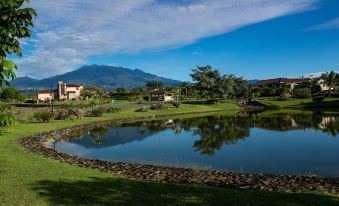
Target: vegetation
point(11, 93)
point(44, 116)
point(16, 21)
point(302, 93)
point(154, 84)
point(211, 85)
point(327, 103)
point(97, 112)
point(42, 181)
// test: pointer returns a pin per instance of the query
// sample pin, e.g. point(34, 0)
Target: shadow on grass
point(328, 105)
point(116, 191)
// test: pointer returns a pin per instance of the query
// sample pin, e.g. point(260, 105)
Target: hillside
point(97, 75)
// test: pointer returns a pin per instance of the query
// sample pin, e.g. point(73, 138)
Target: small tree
point(154, 84)
point(302, 93)
point(121, 90)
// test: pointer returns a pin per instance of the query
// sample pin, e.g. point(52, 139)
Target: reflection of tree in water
point(96, 134)
point(214, 132)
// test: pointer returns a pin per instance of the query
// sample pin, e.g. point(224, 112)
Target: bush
point(62, 115)
point(302, 93)
point(44, 116)
point(77, 113)
point(282, 98)
point(113, 110)
point(70, 114)
point(318, 98)
point(176, 104)
point(158, 106)
point(212, 101)
point(142, 109)
point(97, 112)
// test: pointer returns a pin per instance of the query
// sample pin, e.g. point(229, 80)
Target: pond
point(293, 144)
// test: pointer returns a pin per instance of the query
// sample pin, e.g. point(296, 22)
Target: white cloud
point(69, 31)
point(332, 24)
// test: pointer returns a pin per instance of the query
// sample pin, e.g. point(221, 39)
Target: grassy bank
point(328, 103)
point(27, 179)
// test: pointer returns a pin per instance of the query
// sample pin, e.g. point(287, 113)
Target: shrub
point(282, 98)
point(97, 112)
point(212, 101)
point(302, 93)
point(78, 113)
point(176, 104)
point(318, 98)
point(44, 116)
point(113, 110)
point(62, 115)
point(158, 106)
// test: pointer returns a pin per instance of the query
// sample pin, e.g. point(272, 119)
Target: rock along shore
point(40, 144)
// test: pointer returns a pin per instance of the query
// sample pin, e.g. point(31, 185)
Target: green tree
point(11, 94)
point(330, 79)
point(241, 87)
point(15, 23)
point(302, 93)
point(154, 84)
point(209, 82)
point(121, 90)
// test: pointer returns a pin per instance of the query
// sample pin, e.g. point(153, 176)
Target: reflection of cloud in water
point(73, 148)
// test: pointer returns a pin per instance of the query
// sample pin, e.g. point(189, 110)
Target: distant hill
point(253, 81)
point(96, 75)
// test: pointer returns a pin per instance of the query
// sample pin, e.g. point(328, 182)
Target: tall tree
point(15, 24)
point(154, 84)
point(330, 79)
point(208, 81)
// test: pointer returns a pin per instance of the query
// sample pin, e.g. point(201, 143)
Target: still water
point(300, 144)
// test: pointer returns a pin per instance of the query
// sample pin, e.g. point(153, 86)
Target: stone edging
point(269, 182)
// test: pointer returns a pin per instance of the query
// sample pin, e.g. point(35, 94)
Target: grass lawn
point(328, 102)
point(27, 179)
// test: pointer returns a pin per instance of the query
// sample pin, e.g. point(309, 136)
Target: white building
point(63, 91)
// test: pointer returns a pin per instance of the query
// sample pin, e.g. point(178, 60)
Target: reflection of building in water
point(325, 122)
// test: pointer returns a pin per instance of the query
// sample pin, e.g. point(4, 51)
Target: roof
point(73, 85)
point(46, 91)
point(279, 81)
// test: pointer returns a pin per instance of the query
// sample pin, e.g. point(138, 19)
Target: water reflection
point(213, 131)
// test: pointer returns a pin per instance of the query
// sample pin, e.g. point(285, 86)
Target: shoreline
point(254, 181)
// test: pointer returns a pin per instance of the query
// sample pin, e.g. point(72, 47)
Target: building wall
point(45, 96)
point(77, 90)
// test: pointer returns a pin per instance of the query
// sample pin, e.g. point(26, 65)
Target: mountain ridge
point(95, 75)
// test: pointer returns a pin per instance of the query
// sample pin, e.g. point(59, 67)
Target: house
point(46, 95)
point(162, 94)
point(63, 91)
point(277, 82)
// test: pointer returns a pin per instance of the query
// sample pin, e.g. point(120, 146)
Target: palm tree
point(184, 86)
point(330, 79)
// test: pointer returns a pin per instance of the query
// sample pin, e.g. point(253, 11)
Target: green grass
point(328, 102)
point(27, 179)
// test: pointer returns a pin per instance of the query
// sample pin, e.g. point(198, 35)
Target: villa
point(63, 92)
point(277, 82)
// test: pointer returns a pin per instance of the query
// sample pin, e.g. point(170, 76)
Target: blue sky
point(252, 38)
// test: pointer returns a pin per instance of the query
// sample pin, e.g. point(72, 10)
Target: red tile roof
point(46, 91)
point(73, 85)
point(279, 81)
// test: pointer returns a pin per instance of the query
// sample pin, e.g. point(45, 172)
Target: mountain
point(253, 81)
point(96, 75)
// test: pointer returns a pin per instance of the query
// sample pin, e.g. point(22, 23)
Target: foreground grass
point(329, 102)
point(27, 179)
